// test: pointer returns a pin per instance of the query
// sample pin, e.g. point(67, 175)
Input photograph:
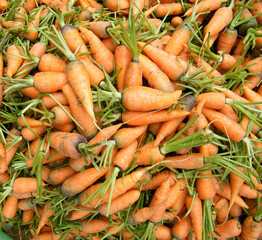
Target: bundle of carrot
point(134, 119)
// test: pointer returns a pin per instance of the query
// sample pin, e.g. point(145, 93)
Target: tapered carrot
point(230, 228)
point(226, 40)
point(142, 118)
point(79, 213)
point(82, 180)
point(251, 228)
point(125, 156)
point(247, 192)
point(121, 202)
point(60, 175)
point(123, 57)
point(79, 113)
point(230, 128)
point(162, 59)
point(178, 40)
point(155, 77)
point(181, 229)
point(14, 59)
point(176, 191)
point(94, 225)
point(99, 28)
point(24, 185)
point(160, 197)
point(23, 121)
point(153, 98)
point(10, 207)
point(111, 44)
point(102, 55)
point(32, 32)
point(4, 177)
point(47, 213)
point(206, 5)
point(51, 63)
point(125, 136)
point(228, 111)
point(225, 192)
point(78, 78)
point(252, 96)
point(179, 202)
point(172, 9)
point(222, 210)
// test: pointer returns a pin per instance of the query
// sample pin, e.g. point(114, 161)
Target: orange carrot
point(28, 215)
point(47, 213)
point(230, 228)
point(99, 28)
point(79, 213)
point(24, 185)
point(51, 63)
point(30, 4)
point(162, 232)
point(247, 192)
point(25, 204)
point(251, 229)
point(111, 44)
point(206, 5)
point(230, 128)
point(4, 177)
point(14, 59)
point(10, 207)
point(119, 203)
point(173, 9)
point(28, 135)
point(252, 96)
point(235, 211)
point(82, 180)
point(226, 40)
point(60, 175)
point(94, 225)
point(181, 229)
point(176, 191)
point(222, 210)
point(176, 21)
point(228, 111)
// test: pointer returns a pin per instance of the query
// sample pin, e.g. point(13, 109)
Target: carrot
point(228, 111)
point(55, 4)
point(78, 163)
point(114, 5)
point(222, 210)
point(123, 57)
point(119, 203)
point(32, 32)
point(36, 51)
point(67, 143)
point(47, 213)
point(25, 204)
point(142, 215)
point(176, 21)
point(51, 63)
point(28, 215)
point(23, 185)
point(230, 228)
point(235, 211)
point(28, 135)
point(121, 186)
point(226, 40)
point(164, 61)
point(111, 44)
point(252, 82)
point(85, 15)
point(142, 118)
point(176, 191)
point(133, 76)
point(60, 175)
point(1, 75)
point(214, 100)
point(162, 232)
point(99, 28)
point(181, 229)
point(126, 136)
point(14, 59)
point(4, 177)
point(247, 192)
point(230, 128)
point(82, 180)
point(225, 192)
point(251, 228)
point(257, 67)
point(160, 197)
point(59, 116)
point(180, 202)
point(102, 55)
point(79, 113)
point(4, 5)
point(206, 5)
point(94, 225)
point(10, 207)
point(178, 40)
point(23, 121)
point(78, 78)
point(125, 156)
point(151, 98)
point(155, 77)
point(195, 214)
point(80, 213)
point(205, 186)
point(154, 128)
point(30, 5)
point(220, 19)
point(252, 96)
point(164, 8)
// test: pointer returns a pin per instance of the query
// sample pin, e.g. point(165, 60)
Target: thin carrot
point(79, 213)
point(206, 5)
point(28, 135)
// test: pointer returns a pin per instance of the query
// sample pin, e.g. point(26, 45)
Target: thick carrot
point(151, 98)
point(25, 204)
point(30, 4)
point(121, 202)
point(123, 57)
point(23, 121)
point(99, 28)
point(125, 136)
point(67, 143)
point(10, 207)
point(178, 40)
point(111, 44)
point(181, 229)
point(154, 76)
point(228, 111)
point(142, 118)
point(235, 211)
point(14, 59)
point(28, 215)
point(196, 215)
point(78, 78)
point(162, 232)
point(164, 8)
point(170, 66)
point(60, 175)
point(79, 113)
point(77, 214)
point(102, 55)
point(125, 156)
point(205, 186)
point(4, 5)
point(176, 191)
point(206, 5)
point(257, 65)
point(28, 135)
point(230, 128)
point(251, 229)
point(51, 63)
point(226, 40)
point(94, 225)
point(24, 185)
point(82, 180)
point(252, 96)
point(4, 177)
point(176, 21)
point(114, 5)
point(180, 202)
point(229, 229)
point(247, 192)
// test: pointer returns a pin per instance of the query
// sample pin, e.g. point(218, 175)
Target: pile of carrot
point(134, 119)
